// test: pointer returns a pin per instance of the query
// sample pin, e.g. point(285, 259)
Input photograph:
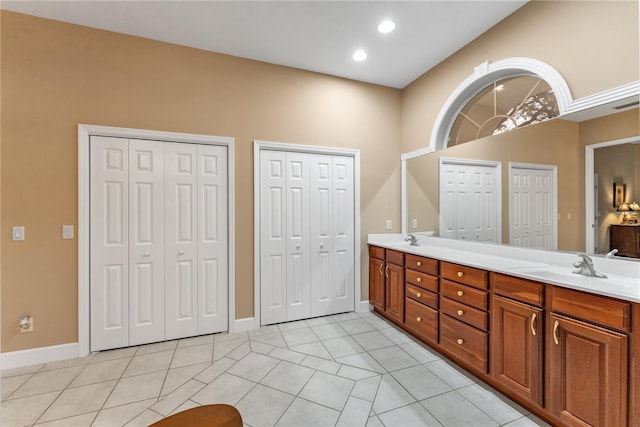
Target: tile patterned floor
point(345, 370)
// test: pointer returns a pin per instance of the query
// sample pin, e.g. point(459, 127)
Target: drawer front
point(395, 257)
point(376, 252)
point(425, 265)
point(464, 313)
point(422, 320)
point(466, 342)
point(464, 294)
point(467, 275)
point(422, 296)
point(423, 280)
point(522, 290)
point(597, 309)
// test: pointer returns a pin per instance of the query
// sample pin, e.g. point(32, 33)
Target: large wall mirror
point(549, 153)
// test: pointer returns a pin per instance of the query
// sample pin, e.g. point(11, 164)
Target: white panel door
point(469, 202)
point(109, 205)
point(343, 232)
point(321, 242)
point(273, 243)
point(146, 242)
point(297, 236)
point(532, 208)
point(181, 246)
point(213, 239)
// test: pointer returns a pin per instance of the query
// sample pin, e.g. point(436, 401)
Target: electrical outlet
point(26, 324)
point(17, 233)
point(414, 223)
point(389, 224)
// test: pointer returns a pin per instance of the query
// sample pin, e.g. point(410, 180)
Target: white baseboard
point(243, 325)
point(36, 356)
point(364, 307)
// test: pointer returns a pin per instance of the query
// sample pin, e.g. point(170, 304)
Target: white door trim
point(589, 183)
point(554, 196)
point(84, 134)
point(473, 162)
point(279, 146)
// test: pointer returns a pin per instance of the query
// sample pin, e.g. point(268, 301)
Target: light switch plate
point(17, 233)
point(67, 231)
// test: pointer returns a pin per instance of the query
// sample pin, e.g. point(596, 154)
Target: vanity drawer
point(464, 313)
point(423, 280)
point(376, 252)
point(426, 265)
point(464, 294)
point(422, 296)
point(465, 342)
point(463, 274)
point(422, 320)
point(522, 290)
point(394, 257)
point(597, 309)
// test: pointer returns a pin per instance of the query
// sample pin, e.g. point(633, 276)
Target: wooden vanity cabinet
point(517, 336)
point(587, 365)
point(464, 317)
point(386, 282)
point(421, 302)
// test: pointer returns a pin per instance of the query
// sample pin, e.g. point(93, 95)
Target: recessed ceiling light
point(359, 55)
point(386, 26)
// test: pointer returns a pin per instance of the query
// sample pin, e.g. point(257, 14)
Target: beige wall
point(594, 45)
point(56, 75)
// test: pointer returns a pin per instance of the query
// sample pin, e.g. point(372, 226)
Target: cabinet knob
point(322, 245)
point(460, 341)
point(418, 319)
point(419, 279)
point(181, 252)
point(418, 263)
point(460, 293)
point(419, 294)
point(147, 254)
point(460, 312)
point(460, 273)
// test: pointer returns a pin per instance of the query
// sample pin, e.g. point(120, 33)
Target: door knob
point(147, 254)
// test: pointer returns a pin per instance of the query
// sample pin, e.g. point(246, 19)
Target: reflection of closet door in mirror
point(469, 200)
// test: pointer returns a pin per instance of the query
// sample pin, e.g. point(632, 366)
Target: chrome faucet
point(612, 253)
point(585, 267)
point(413, 239)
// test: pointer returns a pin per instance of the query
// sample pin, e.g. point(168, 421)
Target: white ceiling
point(318, 36)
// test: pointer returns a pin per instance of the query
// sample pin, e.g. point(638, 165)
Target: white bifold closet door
point(307, 235)
point(158, 241)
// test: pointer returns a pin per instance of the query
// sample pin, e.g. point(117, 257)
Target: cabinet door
point(394, 306)
point(587, 373)
point(376, 283)
point(517, 347)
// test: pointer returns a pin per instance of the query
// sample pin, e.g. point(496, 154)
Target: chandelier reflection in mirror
point(502, 106)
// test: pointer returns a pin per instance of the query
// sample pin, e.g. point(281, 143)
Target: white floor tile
point(226, 388)
point(393, 358)
point(355, 413)
point(178, 376)
point(192, 355)
point(299, 336)
point(450, 374)
point(21, 371)
point(144, 419)
point(133, 389)
point(354, 373)
point(288, 377)
point(410, 415)
point(329, 330)
point(302, 413)
point(114, 354)
point(263, 406)
point(101, 371)
point(218, 368)
point(275, 339)
point(420, 382)
point(120, 415)
point(10, 384)
point(372, 340)
point(362, 360)
point(173, 400)
point(226, 336)
point(391, 395)
point(356, 326)
point(316, 349)
point(321, 364)
point(79, 400)
point(25, 411)
point(342, 346)
point(492, 403)
point(328, 390)
point(200, 340)
point(452, 409)
point(84, 420)
point(288, 355)
point(44, 382)
point(151, 362)
point(366, 389)
point(159, 346)
point(254, 367)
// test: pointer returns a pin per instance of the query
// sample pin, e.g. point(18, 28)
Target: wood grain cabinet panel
point(422, 320)
point(587, 373)
point(517, 344)
point(463, 274)
point(394, 297)
point(376, 283)
point(422, 296)
point(464, 313)
point(422, 264)
point(626, 239)
point(423, 280)
point(464, 294)
point(466, 342)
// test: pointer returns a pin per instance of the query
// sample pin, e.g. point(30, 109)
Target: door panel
point(321, 189)
point(532, 204)
point(181, 249)
point(213, 242)
point(146, 243)
point(109, 243)
point(343, 246)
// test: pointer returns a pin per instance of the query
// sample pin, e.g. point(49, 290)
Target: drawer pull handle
point(418, 263)
point(386, 271)
point(460, 273)
point(418, 319)
point(533, 324)
point(460, 341)
point(460, 312)
point(419, 295)
point(419, 279)
point(381, 267)
point(460, 293)
point(555, 332)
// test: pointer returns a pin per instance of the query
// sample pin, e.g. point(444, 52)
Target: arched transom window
point(504, 105)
